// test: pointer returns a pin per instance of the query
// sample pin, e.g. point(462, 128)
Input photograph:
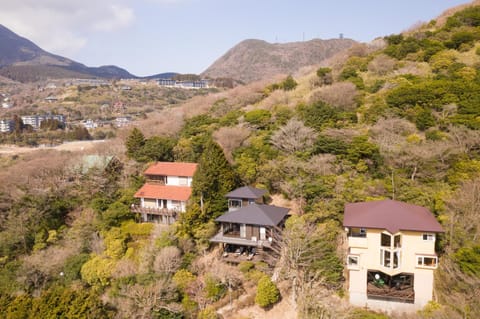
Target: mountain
point(24, 61)
point(252, 60)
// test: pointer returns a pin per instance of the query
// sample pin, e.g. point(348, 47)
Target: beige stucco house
point(391, 255)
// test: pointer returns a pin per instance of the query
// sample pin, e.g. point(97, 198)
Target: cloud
point(64, 26)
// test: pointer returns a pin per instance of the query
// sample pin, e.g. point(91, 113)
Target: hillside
point(24, 61)
point(252, 60)
point(400, 123)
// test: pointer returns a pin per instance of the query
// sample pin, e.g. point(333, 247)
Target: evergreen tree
point(135, 142)
point(213, 179)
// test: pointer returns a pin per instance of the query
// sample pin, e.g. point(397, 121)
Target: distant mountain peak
point(23, 60)
point(254, 59)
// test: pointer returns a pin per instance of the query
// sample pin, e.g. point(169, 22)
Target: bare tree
point(230, 138)
point(341, 95)
point(168, 260)
point(293, 136)
point(381, 64)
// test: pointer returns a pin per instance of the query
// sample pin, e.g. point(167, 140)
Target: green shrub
point(246, 266)
point(207, 313)
point(183, 278)
point(468, 258)
point(258, 117)
point(267, 293)
point(73, 265)
point(214, 289)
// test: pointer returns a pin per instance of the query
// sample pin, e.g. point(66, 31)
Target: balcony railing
point(154, 211)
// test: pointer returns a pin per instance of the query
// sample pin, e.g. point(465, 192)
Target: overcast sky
point(155, 36)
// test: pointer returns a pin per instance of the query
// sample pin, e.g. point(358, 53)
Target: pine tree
point(213, 179)
point(135, 142)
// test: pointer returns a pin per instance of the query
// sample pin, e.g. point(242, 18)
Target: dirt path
point(69, 146)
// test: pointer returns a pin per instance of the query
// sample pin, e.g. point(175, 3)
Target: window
point(357, 232)
point(428, 236)
point(427, 261)
point(234, 203)
point(390, 255)
point(352, 261)
point(385, 257)
point(386, 240)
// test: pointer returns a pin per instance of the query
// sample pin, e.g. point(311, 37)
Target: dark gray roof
point(246, 192)
point(254, 214)
point(390, 215)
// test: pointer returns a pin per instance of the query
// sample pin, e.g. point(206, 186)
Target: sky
point(186, 36)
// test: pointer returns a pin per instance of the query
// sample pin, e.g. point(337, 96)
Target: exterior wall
point(175, 181)
point(368, 251)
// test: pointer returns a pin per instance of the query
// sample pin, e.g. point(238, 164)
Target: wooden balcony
point(235, 239)
point(399, 288)
point(154, 211)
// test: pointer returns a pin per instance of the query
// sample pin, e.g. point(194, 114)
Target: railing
point(154, 211)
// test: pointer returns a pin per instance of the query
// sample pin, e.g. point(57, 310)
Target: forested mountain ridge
point(400, 122)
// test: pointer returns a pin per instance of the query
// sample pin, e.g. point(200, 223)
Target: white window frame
point(351, 265)
point(235, 200)
point(421, 261)
point(428, 237)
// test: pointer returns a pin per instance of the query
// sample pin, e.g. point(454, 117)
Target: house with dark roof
point(166, 191)
point(250, 230)
point(390, 255)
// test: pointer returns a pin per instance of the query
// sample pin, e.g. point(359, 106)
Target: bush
point(183, 278)
point(267, 293)
point(258, 117)
point(246, 266)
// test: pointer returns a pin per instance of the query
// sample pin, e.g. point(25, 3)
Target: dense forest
point(399, 119)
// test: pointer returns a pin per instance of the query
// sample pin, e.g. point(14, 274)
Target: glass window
point(386, 240)
point(428, 236)
point(352, 260)
point(234, 203)
point(357, 232)
point(427, 261)
point(397, 241)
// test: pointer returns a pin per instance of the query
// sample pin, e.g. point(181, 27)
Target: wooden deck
point(399, 294)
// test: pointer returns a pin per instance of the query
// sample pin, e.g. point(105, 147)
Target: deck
point(234, 240)
point(399, 294)
point(154, 211)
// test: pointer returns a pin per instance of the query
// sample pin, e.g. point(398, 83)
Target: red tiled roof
point(390, 215)
point(172, 169)
point(164, 192)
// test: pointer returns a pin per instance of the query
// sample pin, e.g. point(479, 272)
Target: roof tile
point(181, 193)
point(172, 169)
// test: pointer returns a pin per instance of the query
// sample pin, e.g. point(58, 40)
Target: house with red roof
point(166, 191)
point(391, 255)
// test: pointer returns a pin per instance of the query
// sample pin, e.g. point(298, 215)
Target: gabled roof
point(390, 215)
point(246, 192)
point(156, 191)
point(254, 214)
point(172, 169)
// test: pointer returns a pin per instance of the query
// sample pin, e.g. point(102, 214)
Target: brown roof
point(164, 192)
point(254, 214)
point(390, 215)
point(172, 169)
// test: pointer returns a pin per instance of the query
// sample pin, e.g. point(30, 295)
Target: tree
point(293, 136)
point(156, 148)
point(213, 179)
point(134, 143)
point(267, 292)
point(289, 83)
